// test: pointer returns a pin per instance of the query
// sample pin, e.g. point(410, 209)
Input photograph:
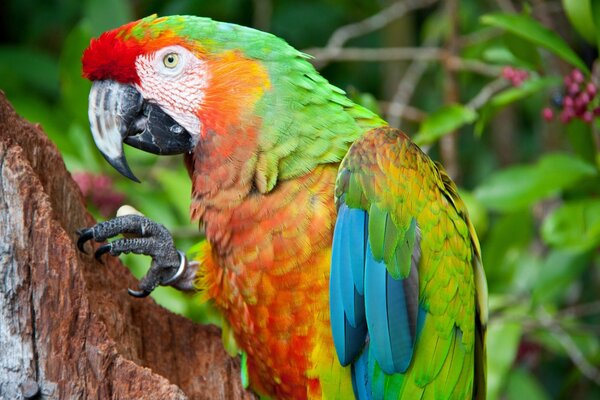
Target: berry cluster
point(99, 191)
point(514, 75)
point(579, 100)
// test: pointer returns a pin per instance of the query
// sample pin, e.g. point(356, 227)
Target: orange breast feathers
point(272, 283)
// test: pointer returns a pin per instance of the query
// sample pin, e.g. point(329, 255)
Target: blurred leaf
point(530, 29)
point(574, 225)
point(596, 20)
point(505, 247)
point(103, 15)
point(585, 340)
point(503, 340)
point(521, 186)
point(477, 212)
point(82, 155)
point(29, 70)
point(178, 188)
point(558, 271)
point(523, 385)
point(74, 88)
point(581, 139)
point(500, 55)
point(442, 122)
point(527, 88)
point(524, 51)
point(581, 15)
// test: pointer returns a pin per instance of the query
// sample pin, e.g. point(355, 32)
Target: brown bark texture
point(68, 328)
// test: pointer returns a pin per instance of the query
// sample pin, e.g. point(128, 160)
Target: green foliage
point(512, 95)
point(521, 186)
point(531, 187)
point(529, 29)
point(439, 123)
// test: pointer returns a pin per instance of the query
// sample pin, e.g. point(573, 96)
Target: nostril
point(176, 129)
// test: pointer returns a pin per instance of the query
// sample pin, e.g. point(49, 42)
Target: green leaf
point(574, 225)
point(74, 88)
point(505, 247)
point(581, 139)
point(596, 19)
point(504, 339)
point(107, 14)
point(524, 51)
point(511, 95)
point(521, 186)
point(523, 385)
point(530, 29)
point(477, 212)
point(176, 184)
point(500, 55)
point(20, 66)
point(585, 340)
point(558, 271)
point(581, 15)
point(442, 122)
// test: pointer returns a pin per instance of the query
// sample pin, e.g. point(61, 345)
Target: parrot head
point(159, 84)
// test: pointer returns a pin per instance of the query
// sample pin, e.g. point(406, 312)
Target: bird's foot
point(169, 266)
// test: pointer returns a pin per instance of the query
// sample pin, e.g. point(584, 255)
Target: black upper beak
point(118, 114)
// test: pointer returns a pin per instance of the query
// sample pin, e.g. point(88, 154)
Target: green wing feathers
point(419, 229)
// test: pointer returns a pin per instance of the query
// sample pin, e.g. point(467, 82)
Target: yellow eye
point(171, 60)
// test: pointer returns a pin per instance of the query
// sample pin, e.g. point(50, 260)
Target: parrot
point(341, 257)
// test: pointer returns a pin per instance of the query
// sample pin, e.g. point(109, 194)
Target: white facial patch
point(176, 80)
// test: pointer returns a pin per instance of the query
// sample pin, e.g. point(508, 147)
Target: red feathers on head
point(112, 57)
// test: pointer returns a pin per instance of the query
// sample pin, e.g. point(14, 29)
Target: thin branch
point(407, 86)
point(261, 19)
point(487, 92)
point(323, 54)
point(376, 21)
point(449, 143)
point(506, 6)
point(409, 112)
point(581, 310)
point(570, 347)
point(405, 90)
point(454, 63)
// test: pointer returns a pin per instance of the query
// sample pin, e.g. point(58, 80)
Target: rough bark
point(68, 329)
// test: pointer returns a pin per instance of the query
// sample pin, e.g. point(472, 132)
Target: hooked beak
point(119, 114)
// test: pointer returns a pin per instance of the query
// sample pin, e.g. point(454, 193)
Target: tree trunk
point(68, 328)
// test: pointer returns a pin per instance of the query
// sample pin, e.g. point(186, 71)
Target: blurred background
point(501, 92)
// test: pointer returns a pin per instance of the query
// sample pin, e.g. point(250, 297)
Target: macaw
point(341, 256)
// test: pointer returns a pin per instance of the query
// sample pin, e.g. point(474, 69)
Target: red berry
point(587, 116)
point(567, 80)
point(585, 98)
point(568, 102)
point(591, 89)
point(566, 115)
point(573, 88)
point(508, 72)
point(577, 76)
point(547, 114)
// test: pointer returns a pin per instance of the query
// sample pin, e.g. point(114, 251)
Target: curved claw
point(139, 293)
point(84, 235)
point(105, 248)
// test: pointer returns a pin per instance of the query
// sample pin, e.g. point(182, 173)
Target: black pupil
point(170, 59)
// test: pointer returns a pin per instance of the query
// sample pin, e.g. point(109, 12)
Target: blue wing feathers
point(360, 376)
point(365, 297)
point(346, 303)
